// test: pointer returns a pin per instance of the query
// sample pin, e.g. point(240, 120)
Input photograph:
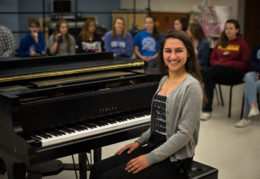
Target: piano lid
point(53, 66)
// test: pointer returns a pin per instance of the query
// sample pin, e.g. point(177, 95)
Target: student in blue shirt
point(118, 40)
point(33, 43)
point(146, 42)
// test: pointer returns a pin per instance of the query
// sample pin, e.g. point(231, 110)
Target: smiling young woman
point(167, 148)
point(175, 57)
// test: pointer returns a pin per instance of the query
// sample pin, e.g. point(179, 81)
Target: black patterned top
point(158, 136)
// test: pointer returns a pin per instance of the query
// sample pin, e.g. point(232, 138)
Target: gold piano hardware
point(108, 109)
point(12, 88)
point(138, 70)
point(65, 80)
point(69, 72)
point(27, 99)
point(131, 82)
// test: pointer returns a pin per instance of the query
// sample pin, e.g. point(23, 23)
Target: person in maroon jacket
point(229, 62)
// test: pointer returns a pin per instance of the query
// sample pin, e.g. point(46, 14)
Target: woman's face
point(119, 25)
point(177, 25)
point(231, 31)
point(175, 55)
point(149, 24)
point(63, 28)
point(92, 27)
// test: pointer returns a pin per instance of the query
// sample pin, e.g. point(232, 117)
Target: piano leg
point(97, 155)
point(2, 167)
point(82, 165)
point(16, 170)
point(83, 162)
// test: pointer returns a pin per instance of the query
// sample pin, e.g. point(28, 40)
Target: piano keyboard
point(89, 129)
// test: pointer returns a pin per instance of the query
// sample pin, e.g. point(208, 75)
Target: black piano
point(51, 107)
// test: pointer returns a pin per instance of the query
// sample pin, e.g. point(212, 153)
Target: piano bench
point(202, 171)
point(49, 168)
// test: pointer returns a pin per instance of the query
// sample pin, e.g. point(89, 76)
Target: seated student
point(180, 24)
point(146, 42)
point(166, 149)
point(7, 43)
point(33, 43)
point(61, 42)
point(201, 44)
point(89, 40)
point(229, 62)
point(118, 40)
point(252, 87)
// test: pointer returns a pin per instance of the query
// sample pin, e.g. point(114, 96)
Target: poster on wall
point(211, 18)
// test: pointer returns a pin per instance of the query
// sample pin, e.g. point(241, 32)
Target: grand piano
point(51, 107)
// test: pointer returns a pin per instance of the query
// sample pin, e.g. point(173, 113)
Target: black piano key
point(78, 128)
point(43, 136)
point(48, 135)
point(61, 132)
point(84, 127)
point(66, 130)
point(55, 133)
point(72, 130)
point(36, 137)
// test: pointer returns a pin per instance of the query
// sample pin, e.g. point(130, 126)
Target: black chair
point(230, 96)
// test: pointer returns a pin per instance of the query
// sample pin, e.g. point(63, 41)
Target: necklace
point(165, 89)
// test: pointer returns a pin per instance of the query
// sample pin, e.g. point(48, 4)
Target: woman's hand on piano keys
point(130, 147)
point(137, 164)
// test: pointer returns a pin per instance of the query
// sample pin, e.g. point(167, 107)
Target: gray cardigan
point(183, 107)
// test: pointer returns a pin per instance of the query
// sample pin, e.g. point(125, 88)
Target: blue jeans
point(252, 87)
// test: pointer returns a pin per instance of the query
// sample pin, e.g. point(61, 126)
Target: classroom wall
point(34, 8)
point(19, 22)
point(105, 6)
point(178, 5)
point(9, 20)
point(238, 6)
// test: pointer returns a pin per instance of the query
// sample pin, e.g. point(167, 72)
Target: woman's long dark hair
point(184, 23)
point(192, 65)
point(57, 30)
point(84, 33)
point(156, 33)
point(223, 40)
point(197, 31)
